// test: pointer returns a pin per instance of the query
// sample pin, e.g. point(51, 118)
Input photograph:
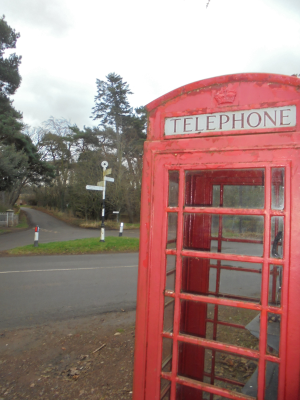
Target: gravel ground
point(84, 358)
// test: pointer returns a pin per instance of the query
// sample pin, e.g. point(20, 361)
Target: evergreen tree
point(12, 163)
point(112, 106)
point(10, 79)
point(16, 148)
point(9, 66)
point(111, 102)
point(111, 109)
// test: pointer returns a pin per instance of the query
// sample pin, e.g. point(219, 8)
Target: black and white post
point(102, 186)
point(104, 165)
point(36, 236)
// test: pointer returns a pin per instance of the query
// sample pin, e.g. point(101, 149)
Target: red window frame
point(266, 260)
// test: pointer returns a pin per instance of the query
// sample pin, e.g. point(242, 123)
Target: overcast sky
point(156, 46)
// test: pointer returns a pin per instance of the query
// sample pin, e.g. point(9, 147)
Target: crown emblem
point(225, 96)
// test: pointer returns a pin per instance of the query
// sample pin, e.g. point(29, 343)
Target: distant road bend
point(52, 230)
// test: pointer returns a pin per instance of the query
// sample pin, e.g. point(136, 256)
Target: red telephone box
point(218, 309)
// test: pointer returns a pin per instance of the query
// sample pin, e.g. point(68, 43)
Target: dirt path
point(84, 358)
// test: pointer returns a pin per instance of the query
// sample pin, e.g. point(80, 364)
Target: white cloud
point(155, 47)
point(43, 15)
point(43, 97)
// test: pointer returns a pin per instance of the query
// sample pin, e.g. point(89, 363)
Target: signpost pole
point(102, 186)
point(104, 164)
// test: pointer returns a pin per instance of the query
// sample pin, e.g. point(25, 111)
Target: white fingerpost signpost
point(102, 186)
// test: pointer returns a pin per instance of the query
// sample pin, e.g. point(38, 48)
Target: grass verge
point(109, 224)
point(79, 246)
point(23, 223)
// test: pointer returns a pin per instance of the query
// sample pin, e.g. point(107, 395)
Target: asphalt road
point(35, 290)
point(52, 230)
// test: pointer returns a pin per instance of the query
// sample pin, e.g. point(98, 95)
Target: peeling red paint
point(257, 149)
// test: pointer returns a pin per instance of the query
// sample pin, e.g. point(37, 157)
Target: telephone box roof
point(262, 78)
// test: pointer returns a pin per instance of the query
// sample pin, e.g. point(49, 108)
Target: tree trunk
point(15, 193)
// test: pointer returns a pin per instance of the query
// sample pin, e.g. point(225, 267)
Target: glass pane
point(242, 234)
point(215, 225)
point(277, 230)
point(278, 188)
point(254, 325)
point(235, 188)
point(237, 369)
point(185, 392)
point(165, 389)
point(216, 196)
point(208, 364)
point(171, 272)
point(275, 285)
point(172, 231)
point(236, 234)
point(167, 350)
point(244, 196)
point(230, 279)
point(169, 314)
point(228, 370)
point(237, 337)
point(273, 334)
point(271, 388)
point(173, 188)
point(192, 360)
point(221, 323)
point(198, 276)
point(194, 317)
point(233, 323)
point(240, 280)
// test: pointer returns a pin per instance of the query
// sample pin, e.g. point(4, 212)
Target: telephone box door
point(222, 247)
point(220, 264)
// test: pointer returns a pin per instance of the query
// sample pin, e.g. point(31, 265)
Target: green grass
point(22, 221)
point(80, 246)
point(109, 224)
